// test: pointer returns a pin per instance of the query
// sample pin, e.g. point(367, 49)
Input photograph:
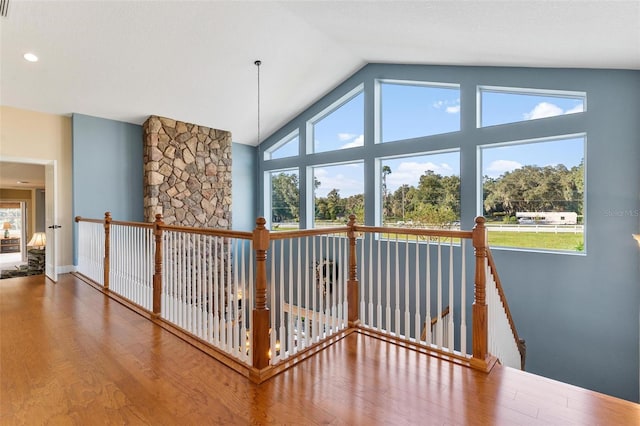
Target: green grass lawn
point(542, 240)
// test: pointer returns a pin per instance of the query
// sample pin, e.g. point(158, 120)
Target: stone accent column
point(187, 174)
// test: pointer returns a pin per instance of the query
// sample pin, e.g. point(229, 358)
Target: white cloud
point(346, 136)
point(359, 141)
point(498, 167)
point(438, 104)
point(347, 184)
point(409, 172)
point(577, 108)
point(542, 110)
point(453, 109)
point(547, 109)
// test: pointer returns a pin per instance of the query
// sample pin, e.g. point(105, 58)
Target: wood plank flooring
point(71, 356)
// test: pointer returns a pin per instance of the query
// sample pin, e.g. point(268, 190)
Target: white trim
point(334, 106)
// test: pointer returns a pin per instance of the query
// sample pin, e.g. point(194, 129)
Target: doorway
point(13, 220)
point(38, 176)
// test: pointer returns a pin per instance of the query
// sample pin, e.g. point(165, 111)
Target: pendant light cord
point(257, 64)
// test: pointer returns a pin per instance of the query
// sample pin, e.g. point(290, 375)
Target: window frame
point(419, 83)
point(334, 106)
point(268, 200)
point(551, 93)
point(310, 190)
point(552, 138)
point(268, 153)
point(378, 168)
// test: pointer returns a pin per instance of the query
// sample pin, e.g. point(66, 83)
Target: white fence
point(206, 284)
point(554, 229)
point(414, 288)
point(502, 342)
point(91, 251)
point(411, 285)
point(308, 298)
point(131, 267)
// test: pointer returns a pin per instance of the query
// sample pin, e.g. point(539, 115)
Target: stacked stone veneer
point(187, 173)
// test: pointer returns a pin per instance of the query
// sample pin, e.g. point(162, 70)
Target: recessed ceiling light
point(23, 181)
point(30, 57)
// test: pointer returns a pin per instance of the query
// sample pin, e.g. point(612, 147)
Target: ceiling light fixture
point(30, 57)
point(257, 64)
point(22, 182)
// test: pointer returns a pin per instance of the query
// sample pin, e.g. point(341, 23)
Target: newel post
point(480, 332)
point(260, 344)
point(107, 249)
point(157, 271)
point(353, 315)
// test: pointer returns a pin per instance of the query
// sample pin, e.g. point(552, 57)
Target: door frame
point(43, 162)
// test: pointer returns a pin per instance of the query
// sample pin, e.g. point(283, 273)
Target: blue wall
point(243, 177)
point(578, 313)
point(107, 168)
point(108, 173)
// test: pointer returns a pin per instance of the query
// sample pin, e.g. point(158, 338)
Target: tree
point(386, 170)
point(534, 188)
point(285, 197)
point(335, 206)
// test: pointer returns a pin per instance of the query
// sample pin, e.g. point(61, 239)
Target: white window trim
point(523, 91)
point(282, 142)
point(359, 89)
point(378, 100)
point(267, 191)
point(480, 189)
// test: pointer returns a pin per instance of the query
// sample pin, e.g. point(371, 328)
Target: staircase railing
point(264, 298)
point(504, 341)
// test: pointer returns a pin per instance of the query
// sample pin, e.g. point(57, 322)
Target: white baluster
point(463, 300)
point(439, 330)
point(396, 328)
point(407, 315)
point(387, 325)
point(417, 319)
point(450, 326)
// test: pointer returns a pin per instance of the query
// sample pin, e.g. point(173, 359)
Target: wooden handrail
point(82, 219)
point(281, 235)
point(522, 347)
point(261, 238)
point(177, 228)
point(414, 231)
point(444, 313)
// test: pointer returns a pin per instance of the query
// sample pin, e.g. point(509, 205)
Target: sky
point(410, 111)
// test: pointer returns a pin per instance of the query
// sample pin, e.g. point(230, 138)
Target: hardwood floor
point(70, 355)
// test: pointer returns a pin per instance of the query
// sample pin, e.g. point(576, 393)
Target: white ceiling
point(193, 61)
point(21, 176)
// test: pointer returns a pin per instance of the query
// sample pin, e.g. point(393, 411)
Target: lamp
point(637, 238)
point(39, 240)
point(6, 226)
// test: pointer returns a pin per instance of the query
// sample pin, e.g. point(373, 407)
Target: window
point(341, 126)
point(11, 218)
point(500, 105)
point(338, 193)
point(286, 147)
point(284, 208)
point(533, 193)
point(421, 190)
point(412, 109)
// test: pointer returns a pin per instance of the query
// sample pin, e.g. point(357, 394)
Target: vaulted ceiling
point(193, 61)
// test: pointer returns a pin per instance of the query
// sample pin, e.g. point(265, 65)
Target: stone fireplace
point(187, 173)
